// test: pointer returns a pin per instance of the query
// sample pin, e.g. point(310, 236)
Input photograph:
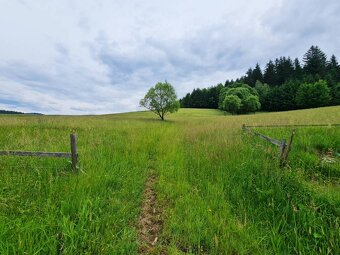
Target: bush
point(311, 95)
point(232, 104)
point(239, 98)
point(251, 104)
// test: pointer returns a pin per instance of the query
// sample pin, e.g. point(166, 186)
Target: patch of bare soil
point(150, 222)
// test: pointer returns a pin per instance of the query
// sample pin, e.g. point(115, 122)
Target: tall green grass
point(221, 189)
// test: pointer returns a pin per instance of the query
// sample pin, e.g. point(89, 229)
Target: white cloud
point(79, 57)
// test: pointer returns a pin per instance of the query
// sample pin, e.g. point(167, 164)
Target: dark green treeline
point(284, 84)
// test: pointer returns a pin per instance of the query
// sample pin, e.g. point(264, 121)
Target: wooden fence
point(73, 155)
point(283, 145)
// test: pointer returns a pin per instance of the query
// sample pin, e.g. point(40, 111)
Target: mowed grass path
point(221, 190)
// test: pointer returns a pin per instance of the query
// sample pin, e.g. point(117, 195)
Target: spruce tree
point(333, 68)
point(257, 75)
point(298, 71)
point(248, 79)
point(284, 69)
point(315, 62)
point(269, 76)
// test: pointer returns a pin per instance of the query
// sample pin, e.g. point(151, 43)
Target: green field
point(221, 190)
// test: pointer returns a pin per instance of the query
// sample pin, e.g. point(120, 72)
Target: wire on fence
point(282, 144)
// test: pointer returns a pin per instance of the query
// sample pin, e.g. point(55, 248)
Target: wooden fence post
point(74, 151)
point(287, 148)
point(282, 148)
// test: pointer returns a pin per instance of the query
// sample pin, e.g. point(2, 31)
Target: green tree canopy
point(263, 90)
point(315, 61)
point(284, 69)
point(257, 74)
point(313, 94)
point(244, 93)
point(231, 104)
point(251, 104)
point(298, 71)
point(269, 76)
point(161, 99)
point(240, 89)
point(335, 92)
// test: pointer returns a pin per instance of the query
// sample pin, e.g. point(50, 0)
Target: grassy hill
point(219, 190)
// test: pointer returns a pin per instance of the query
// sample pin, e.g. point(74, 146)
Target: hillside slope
point(220, 190)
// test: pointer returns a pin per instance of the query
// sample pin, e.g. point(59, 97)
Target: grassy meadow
point(221, 190)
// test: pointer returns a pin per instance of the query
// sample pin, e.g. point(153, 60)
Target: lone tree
point(161, 99)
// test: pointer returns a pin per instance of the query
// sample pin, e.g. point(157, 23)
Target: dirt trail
point(150, 222)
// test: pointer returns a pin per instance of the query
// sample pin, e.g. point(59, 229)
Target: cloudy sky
point(101, 56)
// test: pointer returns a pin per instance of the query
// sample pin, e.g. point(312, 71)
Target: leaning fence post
point(282, 150)
point(287, 148)
point(74, 151)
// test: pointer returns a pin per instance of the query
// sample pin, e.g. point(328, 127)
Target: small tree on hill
point(161, 99)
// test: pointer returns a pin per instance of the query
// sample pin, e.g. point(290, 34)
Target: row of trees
point(10, 112)
point(283, 85)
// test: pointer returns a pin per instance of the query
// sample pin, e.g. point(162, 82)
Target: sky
point(102, 56)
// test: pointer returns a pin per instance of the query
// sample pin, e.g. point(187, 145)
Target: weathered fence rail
point(73, 155)
point(263, 137)
point(282, 144)
point(36, 154)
